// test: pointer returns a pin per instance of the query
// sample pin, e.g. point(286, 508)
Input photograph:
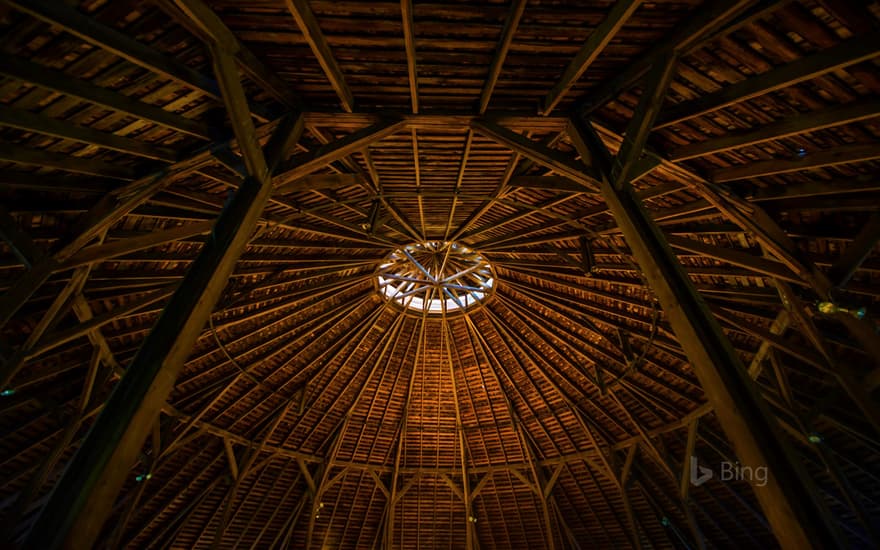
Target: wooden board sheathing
point(419, 523)
point(496, 530)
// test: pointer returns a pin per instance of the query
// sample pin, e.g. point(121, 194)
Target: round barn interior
point(439, 274)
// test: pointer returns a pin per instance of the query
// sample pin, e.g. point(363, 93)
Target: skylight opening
point(436, 276)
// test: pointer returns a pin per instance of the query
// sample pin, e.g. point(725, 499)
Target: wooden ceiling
point(559, 413)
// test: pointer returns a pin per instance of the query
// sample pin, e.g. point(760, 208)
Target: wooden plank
point(102, 252)
point(409, 41)
point(549, 158)
point(517, 7)
point(816, 188)
point(682, 39)
point(799, 124)
point(20, 242)
point(61, 161)
point(311, 31)
point(304, 164)
point(550, 183)
point(808, 67)
point(856, 253)
point(53, 340)
point(32, 122)
point(770, 268)
point(595, 43)
point(211, 24)
point(70, 19)
point(839, 155)
point(456, 120)
point(63, 83)
point(319, 181)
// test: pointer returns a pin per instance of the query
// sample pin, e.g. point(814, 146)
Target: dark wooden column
point(796, 513)
point(84, 497)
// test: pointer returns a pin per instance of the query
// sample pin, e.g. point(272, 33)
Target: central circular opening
point(436, 276)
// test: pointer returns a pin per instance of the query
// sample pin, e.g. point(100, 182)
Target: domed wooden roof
point(436, 334)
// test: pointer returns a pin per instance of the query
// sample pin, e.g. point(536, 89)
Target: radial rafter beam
point(64, 16)
point(848, 53)
point(768, 267)
point(409, 41)
point(57, 81)
point(215, 30)
point(102, 252)
point(789, 499)
point(396, 494)
point(595, 43)
point(685, 37)
point(32, 122)
point(517, 7)
point(857, 252)
point(308, 26)
point(48, 159)
point(798, 124)
point(839, 155)
point(552, 159)
point(99, 469)
point(304, 164)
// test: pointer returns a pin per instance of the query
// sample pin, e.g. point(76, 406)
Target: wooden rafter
point(517, 8)
point(409, 41)
point(595, 43)
point(60, 82)
point(709, 20)
point(310, 29)
point(806, 68)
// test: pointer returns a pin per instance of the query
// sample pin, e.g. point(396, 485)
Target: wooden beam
point(550, 183)
point(770, 268)
point(816, 188)
point(684, 38)
point(311, 31)
point(517, 7)
point(808, 67)
point(635, 137)
point(230, 457)
point(552, 159)
point(216, 30)
point(57, 81)
point(61, 161)
point(789, 499)
point(305, 164)
point(319, 182)
point(856, 253)
point(32, 122)
point(102, 252)
point(595, 43)
point(409, 41)
point(798, 124)
point(98, 470)
point(55, 339)
point(20, 242)
point(844, 154)
point(70, 19)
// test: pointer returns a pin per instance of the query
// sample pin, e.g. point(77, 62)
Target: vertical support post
point(796, 512)
point(799, 519)
point(83, 499)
